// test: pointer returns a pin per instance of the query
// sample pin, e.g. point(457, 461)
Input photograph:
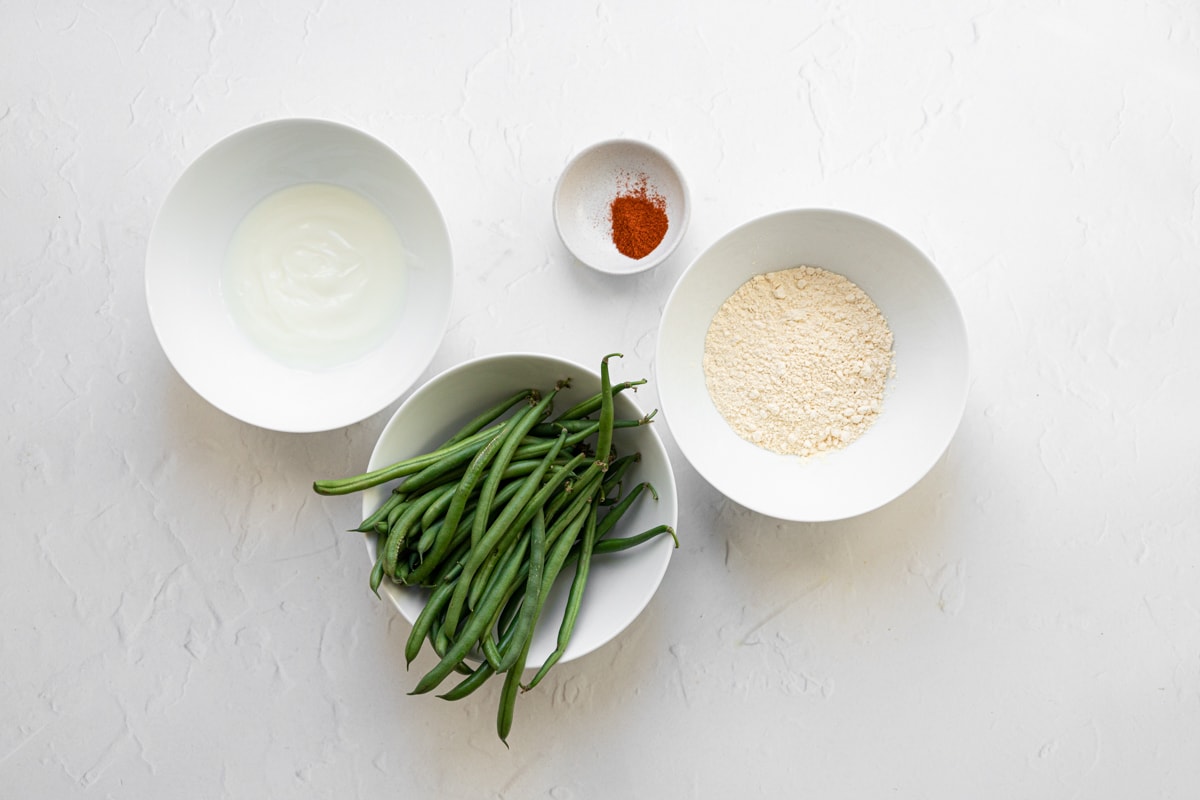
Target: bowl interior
point(587, 187)
point(619, 584)
point(923, 402)
point(187, 249)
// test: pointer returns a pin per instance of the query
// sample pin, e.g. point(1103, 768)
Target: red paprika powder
point(639, 218)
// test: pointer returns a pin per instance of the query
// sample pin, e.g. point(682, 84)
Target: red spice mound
point(639, 219)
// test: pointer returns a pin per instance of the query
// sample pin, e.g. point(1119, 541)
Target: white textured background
point(183, 618)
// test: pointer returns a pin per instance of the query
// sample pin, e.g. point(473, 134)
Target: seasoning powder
point(638, 215)
point(797, 361)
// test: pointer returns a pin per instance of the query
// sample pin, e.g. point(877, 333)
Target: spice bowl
point(922, 402)
point(621, 206)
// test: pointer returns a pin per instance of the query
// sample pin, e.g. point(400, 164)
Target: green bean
point(529, 506)
point(626, 542)
point(408, 466)
point(592, 404)
point(521, 426)
point(562, 535)
point(559, 538)
point(463, 534)
point(432, 515)
point(532, 449)
point(614, 476)
point(421, 626)
point(473, 681)
point(394, 513)
point(615, 512)
point(441, 644)
point(453, 465)
point(462, 492)
point(533, 587)
point(492, 535)
point(489, 416)
point(620, 544)
point(574, 598)
point(483, 574)
point(377, 571)
point(508, 693)
point(473, 627)
point(506, 590)
point(429, 533)
point(551, 429)
point(368, 524)
point(398, 534)
point(557, 556)
point(510, 611)
point(479, 675)
point(538, 503)
point(490, 650)
point(449, 569)
point(605, 434)
point(452, 472)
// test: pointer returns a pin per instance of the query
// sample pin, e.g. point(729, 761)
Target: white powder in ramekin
point(797, 361)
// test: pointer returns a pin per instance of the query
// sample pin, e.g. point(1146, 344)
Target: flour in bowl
point(797, 361)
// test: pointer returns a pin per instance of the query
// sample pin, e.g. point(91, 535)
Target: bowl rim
point(688, 447)
point(157, 312)
point(660, 254)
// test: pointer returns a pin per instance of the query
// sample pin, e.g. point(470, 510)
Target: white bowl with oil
point(299, 275)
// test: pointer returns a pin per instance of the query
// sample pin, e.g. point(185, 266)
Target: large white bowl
point(619, 584)
point(187, 249)
point(923, 403)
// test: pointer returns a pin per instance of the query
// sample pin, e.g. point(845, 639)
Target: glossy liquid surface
point(315, 275)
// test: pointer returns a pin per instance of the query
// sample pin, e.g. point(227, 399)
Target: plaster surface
point(181, 617)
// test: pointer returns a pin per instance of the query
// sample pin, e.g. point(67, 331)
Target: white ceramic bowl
point(619, 584)
point(586, 190)
point(187, 248)
point(923, 402)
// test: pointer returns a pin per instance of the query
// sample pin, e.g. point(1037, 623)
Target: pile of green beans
point(489, 520)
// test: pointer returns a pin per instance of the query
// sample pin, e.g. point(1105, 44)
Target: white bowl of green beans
point(519, 435)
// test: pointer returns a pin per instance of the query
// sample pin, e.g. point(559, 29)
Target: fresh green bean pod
point(492, 535)
point(377, 572)
point(616, 545)
point(462, 492)
point(533, 587)
point(551, 429)
point(616, 511)
point(592, 404)
point(574, 597)
point(508, 694)
point(400, 469)
point(424, 621)
point(380, 514)
point(474, 626)
point(406, 522)
point(605, 433)
point(491, 482)
point(489, 416)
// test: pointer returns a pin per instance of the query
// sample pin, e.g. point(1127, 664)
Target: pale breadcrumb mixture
point(797, 361)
